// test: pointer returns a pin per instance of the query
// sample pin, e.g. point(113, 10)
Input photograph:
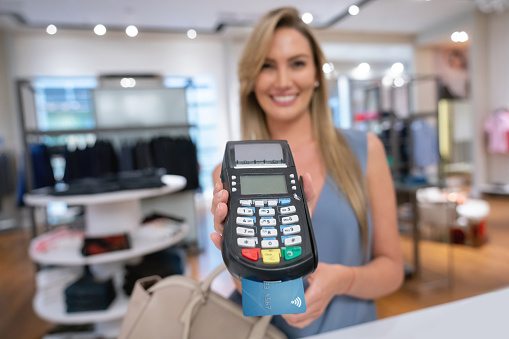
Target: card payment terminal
point(268, 234)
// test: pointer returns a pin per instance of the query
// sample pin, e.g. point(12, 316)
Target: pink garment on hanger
point(497, 127)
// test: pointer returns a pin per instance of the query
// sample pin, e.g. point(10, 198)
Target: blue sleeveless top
point(338, 240)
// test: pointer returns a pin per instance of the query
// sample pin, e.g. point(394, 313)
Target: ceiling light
point(490, 6)
point(51, 29)
point(353, 10)
point(399, 81)
point(191, 34)
point(131, 31)
point(100, 29)
point(463, 36)
point(397, 68)
point(387, 81)
point(127, 82)
point(307, 18)
point(364, 67)
point(459, 36)
point(327, 67)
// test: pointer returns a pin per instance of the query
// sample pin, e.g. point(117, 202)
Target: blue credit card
point(272, 298)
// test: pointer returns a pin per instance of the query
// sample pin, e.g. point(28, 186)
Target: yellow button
point(271, 256)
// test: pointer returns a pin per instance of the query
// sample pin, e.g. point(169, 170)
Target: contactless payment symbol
point(297, 302)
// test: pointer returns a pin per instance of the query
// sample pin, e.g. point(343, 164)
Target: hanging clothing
point(338, 240)
point(7, 178)
point(41, 164)
point(178, 156)
point(126, 161)
point(425, 144)
point(497, 127)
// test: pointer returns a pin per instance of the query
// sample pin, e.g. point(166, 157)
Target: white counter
point(483, 316)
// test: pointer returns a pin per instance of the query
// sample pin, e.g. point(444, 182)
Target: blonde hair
point(335, 151)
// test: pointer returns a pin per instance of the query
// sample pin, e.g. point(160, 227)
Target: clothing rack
point(374, 100)
point(30, 131)
point(406, 192)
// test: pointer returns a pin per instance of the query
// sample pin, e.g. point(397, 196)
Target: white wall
point(8, 121)
point(76, 53)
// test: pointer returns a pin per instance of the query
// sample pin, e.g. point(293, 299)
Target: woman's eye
point(266, 66)
point(299, 64)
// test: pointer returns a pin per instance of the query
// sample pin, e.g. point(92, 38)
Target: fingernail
point(219, 194)
point(217, 208)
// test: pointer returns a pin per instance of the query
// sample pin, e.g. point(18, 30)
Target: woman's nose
point(283, 78)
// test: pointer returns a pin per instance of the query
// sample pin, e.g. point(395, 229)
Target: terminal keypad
point(268, 230)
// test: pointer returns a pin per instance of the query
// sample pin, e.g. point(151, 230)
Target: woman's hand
point(326, 282)
point(219, 209)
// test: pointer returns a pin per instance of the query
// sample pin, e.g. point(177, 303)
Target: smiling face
point(286, 82)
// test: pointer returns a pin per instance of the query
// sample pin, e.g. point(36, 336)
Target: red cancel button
point(251, 253)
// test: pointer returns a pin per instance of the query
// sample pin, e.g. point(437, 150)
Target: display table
point(483, 316)
point(112, 212)
point(105, 214)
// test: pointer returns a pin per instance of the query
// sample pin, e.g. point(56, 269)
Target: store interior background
point(383, 33)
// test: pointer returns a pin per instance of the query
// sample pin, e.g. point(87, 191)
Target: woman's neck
point(298, 132)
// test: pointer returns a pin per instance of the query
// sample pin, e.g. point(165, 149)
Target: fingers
point(217, 239)
point(296, 320)
point(219, 216)
point(301, 320)
point(217, 196)
point(219, 209)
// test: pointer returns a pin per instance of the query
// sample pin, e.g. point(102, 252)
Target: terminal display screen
point(263, 184)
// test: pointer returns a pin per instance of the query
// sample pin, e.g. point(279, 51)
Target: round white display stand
point(64, 248)
point(112, 212)
point(105, 214)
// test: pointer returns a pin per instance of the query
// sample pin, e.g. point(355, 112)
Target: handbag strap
point(200, 296)
point(260, 327)
point(207, 282)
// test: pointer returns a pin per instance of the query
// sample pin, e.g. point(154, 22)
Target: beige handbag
point(179, 307)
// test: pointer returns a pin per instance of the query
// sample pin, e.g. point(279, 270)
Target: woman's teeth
point(286, 98)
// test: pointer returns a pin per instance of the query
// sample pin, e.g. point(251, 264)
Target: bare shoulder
point(377, 159)
point(375, 145)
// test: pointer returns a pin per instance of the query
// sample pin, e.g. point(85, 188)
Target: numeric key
point(245, 231)
point(248, 212)
point(268, 232)
point(245, 221)
point(270, 244)
point(267, 212)
point(287, 210)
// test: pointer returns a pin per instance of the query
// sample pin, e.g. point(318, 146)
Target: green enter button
point(292, 252)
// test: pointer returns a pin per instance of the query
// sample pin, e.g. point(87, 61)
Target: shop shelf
point(63, 247)
point(173, 183)
point(49, 301)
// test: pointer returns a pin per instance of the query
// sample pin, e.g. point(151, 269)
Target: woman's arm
point(384, 274)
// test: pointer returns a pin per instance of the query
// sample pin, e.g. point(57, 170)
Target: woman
point(284, 96)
